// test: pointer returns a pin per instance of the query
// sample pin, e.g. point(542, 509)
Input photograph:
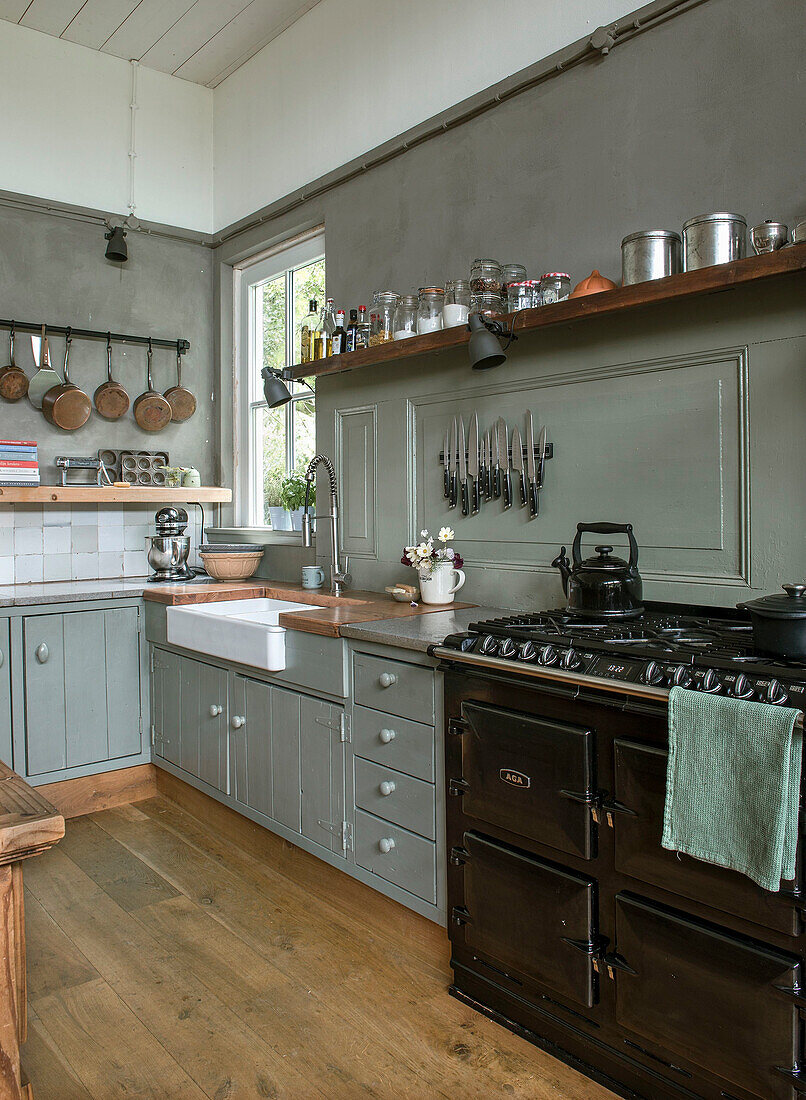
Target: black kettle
point(602, 587)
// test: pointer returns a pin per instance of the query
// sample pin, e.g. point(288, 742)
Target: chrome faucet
point(339, 577)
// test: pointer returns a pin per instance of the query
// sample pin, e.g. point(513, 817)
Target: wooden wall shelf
point(690, 284)
point(89, 494)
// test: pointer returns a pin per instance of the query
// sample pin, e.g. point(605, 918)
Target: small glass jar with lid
point(512, 273)
point(490, 305)
point(554, 286)
point(457, 303)
point(382, 317)
point(523, 295)
point(485, 277)
point(405, 322)
point(429, 308)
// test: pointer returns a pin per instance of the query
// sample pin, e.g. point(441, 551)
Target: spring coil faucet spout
point(339, 577)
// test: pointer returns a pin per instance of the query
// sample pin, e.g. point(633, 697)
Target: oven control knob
point(710, 682)
point(507, 648)
point(571, 660)
point(527, 651)
point(679, 676)
point(742, 688)
point(489, 645)
point(775, 693)
point(652, 674)
point(548, 655)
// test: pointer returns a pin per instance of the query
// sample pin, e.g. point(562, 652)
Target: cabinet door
point(166, 704)
point(82, 688)
point(250, 738)
point(5, 695)
point(203, 722)
point(285, 754)
point(322, 773)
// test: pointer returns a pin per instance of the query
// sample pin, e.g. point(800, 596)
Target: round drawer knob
point(386, 679)
point(237, 721)
point(215, 710)
point(386, 844)
point(42, 653)
point(385, 736)
point(387, 787)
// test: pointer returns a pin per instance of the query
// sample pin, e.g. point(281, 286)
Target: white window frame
point(285, 258)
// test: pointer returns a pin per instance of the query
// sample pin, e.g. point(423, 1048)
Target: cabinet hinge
point(153, 735)
point(346, 836)
point(345, 733)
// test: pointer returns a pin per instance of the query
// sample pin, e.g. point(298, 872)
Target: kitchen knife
point(531, 473)
point(541, 447)
point(453, 492)
point(463, 468)
point(446, 466)
point(503, 455)
point(489, 483)
point(517, 463)
point(473, 463)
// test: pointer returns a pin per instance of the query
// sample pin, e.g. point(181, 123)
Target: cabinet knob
point(385, 736)
point(386, 844)
point(386, 679)
point(237, 721)
point(42, 653)
point(215, 710)
point(387, 787)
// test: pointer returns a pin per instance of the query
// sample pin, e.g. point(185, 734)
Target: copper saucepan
point(151, 410)
point(66, 406)
point(13, 379)
point(111, 400)
point(181, 400)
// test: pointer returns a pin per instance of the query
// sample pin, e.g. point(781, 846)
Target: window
point(274, 298)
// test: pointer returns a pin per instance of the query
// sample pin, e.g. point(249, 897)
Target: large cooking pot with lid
point(604, 586)
point(779, 622)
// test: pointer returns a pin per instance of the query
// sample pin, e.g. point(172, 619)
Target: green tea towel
point(733, 784)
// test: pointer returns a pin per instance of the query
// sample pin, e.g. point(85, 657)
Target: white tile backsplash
point(82, 542)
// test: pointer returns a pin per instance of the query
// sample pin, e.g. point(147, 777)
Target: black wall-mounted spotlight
point(117, 249)
point(484, 347)
point(275, 390)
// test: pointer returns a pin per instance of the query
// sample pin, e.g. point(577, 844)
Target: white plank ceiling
point(199, 40)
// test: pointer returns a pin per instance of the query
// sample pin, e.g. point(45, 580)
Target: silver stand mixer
point(169, 547)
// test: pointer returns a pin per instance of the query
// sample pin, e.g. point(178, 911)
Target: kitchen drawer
point(396, 855)
point(394, 687)
point(395, 742)
point(396, 797)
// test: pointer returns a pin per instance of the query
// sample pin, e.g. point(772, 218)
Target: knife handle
point(497, 482)
point(488, 483)
point(507, 489)
point(524, 490)
point(454, 490)
point(476, 495)
point(534, 499)
point(465, 499)
point(446, 483)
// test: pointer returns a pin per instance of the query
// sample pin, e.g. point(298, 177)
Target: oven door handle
point(458, 786)
point(460, 916)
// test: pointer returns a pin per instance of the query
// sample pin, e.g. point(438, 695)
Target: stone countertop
point(23, 595)
point(420, 633)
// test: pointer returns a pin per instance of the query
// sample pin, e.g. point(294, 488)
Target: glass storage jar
point(429, 308)
point(382, 317)
point(523, 295)
point(405, 323)
point(491, 305)
point(457, 303)
point(485, 277)
point(512, 273)
point(554, 286)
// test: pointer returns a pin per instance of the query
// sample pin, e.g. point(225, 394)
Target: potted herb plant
point(278, 517)
point(292, 498)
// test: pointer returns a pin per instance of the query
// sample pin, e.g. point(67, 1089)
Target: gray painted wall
point(672, 124)
point(54, 268)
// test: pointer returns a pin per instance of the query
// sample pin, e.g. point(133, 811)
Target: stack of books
point(19, 462)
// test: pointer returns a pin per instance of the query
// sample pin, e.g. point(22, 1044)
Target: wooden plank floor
point(165, 962)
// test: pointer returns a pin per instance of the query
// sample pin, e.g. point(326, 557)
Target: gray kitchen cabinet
point(394, 687)
point(322, 735)
point(81, 675)
point(6, 752)
point(250, 740)
point(189, 716)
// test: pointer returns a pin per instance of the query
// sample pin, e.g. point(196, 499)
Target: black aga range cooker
point(654, 973)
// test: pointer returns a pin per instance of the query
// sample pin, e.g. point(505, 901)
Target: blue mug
point(313, 576)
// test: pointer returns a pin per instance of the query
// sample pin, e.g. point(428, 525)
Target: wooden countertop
point(28, 822)
point(326, 617)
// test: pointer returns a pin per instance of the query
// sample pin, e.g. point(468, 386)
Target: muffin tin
point(135, 467)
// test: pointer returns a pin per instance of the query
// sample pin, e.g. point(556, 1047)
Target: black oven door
point(530, 776)
point(640, 791)
point(533, 920)
point(725, 1003)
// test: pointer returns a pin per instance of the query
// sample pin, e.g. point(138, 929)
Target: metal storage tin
point(711, 239)
point(650, 254)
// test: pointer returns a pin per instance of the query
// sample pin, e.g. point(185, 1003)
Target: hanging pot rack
point(180, 346)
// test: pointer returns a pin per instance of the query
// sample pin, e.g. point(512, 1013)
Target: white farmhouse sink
point(245, 631)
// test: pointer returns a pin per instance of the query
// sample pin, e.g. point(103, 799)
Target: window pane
point(309, 282)
point(270, 451)
point(270, 327)
point(304, 432)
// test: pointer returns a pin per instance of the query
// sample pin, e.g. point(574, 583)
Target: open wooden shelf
point(690, 284)
point(91, 494)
